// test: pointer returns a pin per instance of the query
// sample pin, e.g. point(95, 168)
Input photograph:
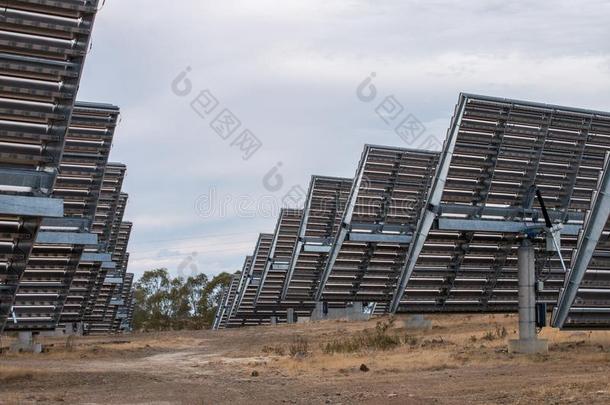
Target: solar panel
point(228, 297)
point(584, 302)
point(241, 285)
point(497, 153)
point(92, 265)
point(121, 321)
point(45, 282)
point(321, 220)
point(91, 274)
point(385, 202)
point(42, 49)
point(110, 286)
point(111, 290)
point(131, 304)
point(246, 312)
point(43, 45)
point(280, 255)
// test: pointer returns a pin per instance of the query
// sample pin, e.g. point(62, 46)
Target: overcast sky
point(289, 71)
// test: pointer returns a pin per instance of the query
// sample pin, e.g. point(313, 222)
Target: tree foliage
point(166, 303)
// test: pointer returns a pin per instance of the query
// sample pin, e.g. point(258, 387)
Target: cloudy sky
point(289, 72)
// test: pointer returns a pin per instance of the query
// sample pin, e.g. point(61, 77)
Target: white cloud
point(289, 70)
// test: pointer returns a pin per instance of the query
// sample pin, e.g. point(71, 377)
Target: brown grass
point(16, 374)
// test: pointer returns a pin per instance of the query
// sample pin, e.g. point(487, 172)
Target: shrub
point(299, 347)
point(377, 339)
point(279, 350)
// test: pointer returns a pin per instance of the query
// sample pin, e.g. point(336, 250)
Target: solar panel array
point(383, 208)
point(498, 152)
point(110, 298)
point(420, 231)
point(53, 161)
point(52, 266)
point(42, 50)
point(226, 303)
point(321, 221)
point(280, 254)
point(246, 314)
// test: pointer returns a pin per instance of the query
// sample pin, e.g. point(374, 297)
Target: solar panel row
point(53, 166)
point(419, 231)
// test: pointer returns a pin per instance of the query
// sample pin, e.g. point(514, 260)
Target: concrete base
point(529, 346)
point(25, 344)
point(418, 322)
point(290, 315)
point(70, 329)
point(303, 319)
point(352, 312)
point(52, 333)
point(274, 320)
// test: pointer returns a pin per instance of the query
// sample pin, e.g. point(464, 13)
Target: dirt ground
point(462, 359)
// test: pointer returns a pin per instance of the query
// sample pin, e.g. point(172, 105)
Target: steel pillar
point(528, 342)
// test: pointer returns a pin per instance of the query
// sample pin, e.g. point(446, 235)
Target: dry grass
point(468, 352)
point(299, 347)
point(16, 374)
point(380, 338)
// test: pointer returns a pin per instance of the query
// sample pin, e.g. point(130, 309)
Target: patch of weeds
point(70, 343)
point(278, 350)
point(498, 333)
point(501, 332)
point(379, 338)
point(299, 347)
point(489, 335)
point(410, 340)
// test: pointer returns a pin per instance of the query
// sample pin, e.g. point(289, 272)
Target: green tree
point(163, 302)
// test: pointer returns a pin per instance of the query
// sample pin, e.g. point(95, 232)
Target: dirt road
point(460, 360)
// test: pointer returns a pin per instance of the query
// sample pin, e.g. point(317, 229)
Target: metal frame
point(246, 313)
point(386, 199)
point(59, 245)
point(324, 207)
point(496, 152)
point(577, 306)
point(44, 45)
point(280, 256)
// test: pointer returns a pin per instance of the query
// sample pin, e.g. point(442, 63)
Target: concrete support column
point(290, 315)
point(528, 342)
point(274, 320)
point(25, 343)
point(318, 313)
point(418, 322)
point(527, 291)
point(25, 338)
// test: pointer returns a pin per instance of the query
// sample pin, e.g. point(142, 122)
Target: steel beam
point(343, 230)
point(429, 212)
point(378, 238)
point(113, 280)
point(31, 206)
point(65, 222)
point(592, 231)
point(36, 180)
point(69, 238)
point(96, 257)
point(482, 225)
point(316, 248)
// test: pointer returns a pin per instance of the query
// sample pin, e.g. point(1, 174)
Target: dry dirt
point(462, 359)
